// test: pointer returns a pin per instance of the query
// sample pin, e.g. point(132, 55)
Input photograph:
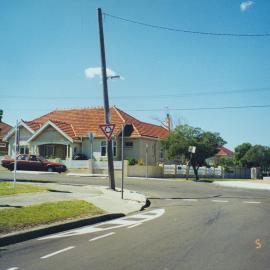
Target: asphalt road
point(187, 226)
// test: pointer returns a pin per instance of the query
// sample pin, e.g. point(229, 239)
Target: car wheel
point(50, 169)
point(11, 167)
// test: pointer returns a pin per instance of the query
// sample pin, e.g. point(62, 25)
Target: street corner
point(132, 199)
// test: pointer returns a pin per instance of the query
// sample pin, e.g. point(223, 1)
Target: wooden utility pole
point(106, 98)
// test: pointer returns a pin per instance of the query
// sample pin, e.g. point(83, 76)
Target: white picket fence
point(181, 171)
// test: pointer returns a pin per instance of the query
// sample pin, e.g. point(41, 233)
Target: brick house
point(63, 133)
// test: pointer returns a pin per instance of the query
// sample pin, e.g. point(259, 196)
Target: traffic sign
point(107, 129)
point(91, 136)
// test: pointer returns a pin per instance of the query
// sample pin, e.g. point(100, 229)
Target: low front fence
point(77, 164)
point(144, 171)
point(206, 172)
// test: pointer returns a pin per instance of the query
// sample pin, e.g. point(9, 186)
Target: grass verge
point(30, 216)
point(6, 188)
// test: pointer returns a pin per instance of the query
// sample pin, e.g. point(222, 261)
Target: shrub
point(132, 161)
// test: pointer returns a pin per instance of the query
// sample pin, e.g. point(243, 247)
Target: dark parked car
point(80, 157)
point(33, 163)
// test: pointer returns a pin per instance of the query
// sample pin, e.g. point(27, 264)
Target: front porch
point(51, 151)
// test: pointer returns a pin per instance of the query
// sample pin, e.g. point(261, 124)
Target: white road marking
point(102, 236)
point(56, 252)
point(251, 202)
point(219, 201)
point(135, 225)
point(13, 268)
point(190, 200)
point(112, 224)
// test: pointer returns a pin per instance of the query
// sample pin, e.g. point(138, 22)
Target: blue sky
point(46, 46)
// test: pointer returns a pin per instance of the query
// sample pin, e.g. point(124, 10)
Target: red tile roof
point(4, 129)
point(79, 122)
point(223, 151)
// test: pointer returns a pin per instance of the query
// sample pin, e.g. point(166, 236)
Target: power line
point(204, 108)
point(184, 30)
point(180, 95)
point(170, 108)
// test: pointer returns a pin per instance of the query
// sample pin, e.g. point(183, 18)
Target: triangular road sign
point(107, 129)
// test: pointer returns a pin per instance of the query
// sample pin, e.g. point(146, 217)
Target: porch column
point(67, 152)
point(70, 152)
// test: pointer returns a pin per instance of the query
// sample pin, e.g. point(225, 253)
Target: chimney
point(168, 122)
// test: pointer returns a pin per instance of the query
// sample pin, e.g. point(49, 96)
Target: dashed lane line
point(251, 202)
point(220, 201)
point(101, 236)
point(190, 200)
point(13, 268)
point(56, 252)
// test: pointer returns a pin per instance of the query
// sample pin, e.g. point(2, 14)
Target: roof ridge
point(58, 121)
point(117, 111)
point(77, 108)
point(73, 130)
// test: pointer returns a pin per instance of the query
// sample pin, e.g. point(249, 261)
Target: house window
point(49, 151)
point(161, 153)
point(128, 144)
point(103, 148)
point(24, 150)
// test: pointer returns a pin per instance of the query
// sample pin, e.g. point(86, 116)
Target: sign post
point(91, 138)
point(146, 159)
point(16, 151)
point(191, 150)
point(1, 115)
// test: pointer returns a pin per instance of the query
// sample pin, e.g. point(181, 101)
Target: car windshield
point(41, 158)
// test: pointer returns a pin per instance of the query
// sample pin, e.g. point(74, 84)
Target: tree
point(183, 136)
point(226, 162)
point(239, 153)
point(257, 156)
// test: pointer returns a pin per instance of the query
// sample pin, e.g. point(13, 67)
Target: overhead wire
point(205, 108)
point(184, 30)
point(180, 95)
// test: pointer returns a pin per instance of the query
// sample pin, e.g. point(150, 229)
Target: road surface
point(188, 226)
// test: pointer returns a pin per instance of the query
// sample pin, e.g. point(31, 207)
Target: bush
point(140, 162)
point(132, 161)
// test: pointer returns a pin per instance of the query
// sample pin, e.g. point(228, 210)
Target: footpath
point(102, 197)
point(254, 184)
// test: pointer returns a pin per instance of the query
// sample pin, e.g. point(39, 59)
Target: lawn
point(6, 188)
point(30, 216)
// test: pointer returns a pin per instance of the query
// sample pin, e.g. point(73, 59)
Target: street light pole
point(122, 182)
point(106, 98)
point(16, 151)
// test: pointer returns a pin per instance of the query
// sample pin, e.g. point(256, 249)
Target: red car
point(33, 163)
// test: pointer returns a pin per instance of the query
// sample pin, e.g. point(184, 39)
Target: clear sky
point(46, 46)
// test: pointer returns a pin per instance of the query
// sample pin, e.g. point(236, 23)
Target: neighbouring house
point(64, 133)
point(222, 152)
point(4, 129)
